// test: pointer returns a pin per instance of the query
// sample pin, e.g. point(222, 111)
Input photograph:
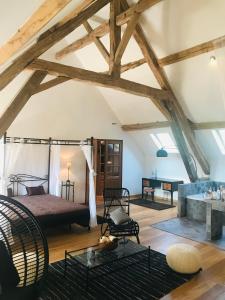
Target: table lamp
point(68, 170)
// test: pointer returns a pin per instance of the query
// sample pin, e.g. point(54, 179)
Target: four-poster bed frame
point(50, 210)
point(49, 142)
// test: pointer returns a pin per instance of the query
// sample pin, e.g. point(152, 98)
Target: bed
point(48, 209)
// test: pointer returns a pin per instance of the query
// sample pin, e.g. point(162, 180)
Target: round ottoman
point(184, 258)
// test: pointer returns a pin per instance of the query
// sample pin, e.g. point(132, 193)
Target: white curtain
point(87, 150)
point(25, 159)
point(12, 157)
point(54, 183)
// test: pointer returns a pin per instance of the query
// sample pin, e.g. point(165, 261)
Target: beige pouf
point(184, 258)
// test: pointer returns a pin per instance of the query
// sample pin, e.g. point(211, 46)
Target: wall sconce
point(68, 170)
point(213, 61)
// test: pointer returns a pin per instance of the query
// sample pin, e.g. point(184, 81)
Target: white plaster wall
point(77, 111)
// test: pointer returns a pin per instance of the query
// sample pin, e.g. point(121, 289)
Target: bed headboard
point(23, 180)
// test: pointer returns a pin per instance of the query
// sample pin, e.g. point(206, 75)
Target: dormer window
point(219, 136)
point(165, 141)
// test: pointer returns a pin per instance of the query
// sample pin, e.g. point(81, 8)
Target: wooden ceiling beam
point(193, 51)
point(98, 32)
point(181, 55)
point(20, 100)
point(133, 65)
point(46, 42)
point(51, 83)
point(180, 125)
point(45, 13)
point(126, 37)
point(139, 8)
point(98, 43)
point(164, 124)
point(114, 38)
point(145, 126)
point(208, 125)
point(91, 77)
point(103, 29)
point(79, 8)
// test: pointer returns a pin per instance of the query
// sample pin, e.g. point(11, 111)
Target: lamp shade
point(161, 153)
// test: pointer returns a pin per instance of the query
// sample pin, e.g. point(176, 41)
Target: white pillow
point(119, 216)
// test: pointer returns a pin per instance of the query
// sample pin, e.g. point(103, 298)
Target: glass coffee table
point(89, 259)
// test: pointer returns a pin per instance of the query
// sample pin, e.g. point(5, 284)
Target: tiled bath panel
point(192, 205)
point(196, 210)
point(188, 189)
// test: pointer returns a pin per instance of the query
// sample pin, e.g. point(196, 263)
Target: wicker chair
point(114, 198)
point(25, 249)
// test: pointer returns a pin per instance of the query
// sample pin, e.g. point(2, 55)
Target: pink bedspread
point(45, 205)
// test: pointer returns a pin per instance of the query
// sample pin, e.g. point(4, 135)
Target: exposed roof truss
point(120, 13)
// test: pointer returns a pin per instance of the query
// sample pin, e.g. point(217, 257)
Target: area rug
point(134, 282)
point(150, 204)
point(189, 229)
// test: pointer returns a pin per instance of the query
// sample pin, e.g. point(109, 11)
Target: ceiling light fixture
point(212, 60)
point(161, 153)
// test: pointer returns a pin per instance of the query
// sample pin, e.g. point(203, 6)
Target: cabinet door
point(113, 163)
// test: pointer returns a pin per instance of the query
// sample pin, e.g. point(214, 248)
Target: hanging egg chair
point(23, 251)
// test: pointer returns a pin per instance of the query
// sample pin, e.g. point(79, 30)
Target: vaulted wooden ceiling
point(120, 14)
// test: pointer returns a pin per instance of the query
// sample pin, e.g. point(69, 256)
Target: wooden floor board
point(209, 284)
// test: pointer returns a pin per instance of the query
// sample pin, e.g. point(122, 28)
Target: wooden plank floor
point(209, 284)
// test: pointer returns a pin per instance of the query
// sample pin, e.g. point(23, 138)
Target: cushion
point(184, 258)
point(35, 190)
point(119, 216)
point(8, 274)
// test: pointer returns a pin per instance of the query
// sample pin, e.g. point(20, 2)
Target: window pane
point(116, 148)
point(156, 141)
point(110, 148)
point(167, 142)
point(164, 140)
point(219, 136)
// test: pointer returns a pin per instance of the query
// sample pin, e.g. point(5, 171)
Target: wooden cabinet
point(108, 165)
point(108, 159)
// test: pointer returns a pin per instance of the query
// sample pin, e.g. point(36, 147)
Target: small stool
point(184, 258)
point(148, 190)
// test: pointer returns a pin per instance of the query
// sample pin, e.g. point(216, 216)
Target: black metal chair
point(114, 198)
point(24, 247)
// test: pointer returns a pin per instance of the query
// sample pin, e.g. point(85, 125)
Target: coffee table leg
point(65, 264)
point(149, 265)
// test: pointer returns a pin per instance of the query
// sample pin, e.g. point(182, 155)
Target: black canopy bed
point(50, 210)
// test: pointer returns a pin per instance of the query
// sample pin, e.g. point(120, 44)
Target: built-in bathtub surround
point(197, 188)
point(193, 204)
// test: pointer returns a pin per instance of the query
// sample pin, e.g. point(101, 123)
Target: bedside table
point(66, 188)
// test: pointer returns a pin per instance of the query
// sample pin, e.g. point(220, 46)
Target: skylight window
point(164, 140)
point(219, 136)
